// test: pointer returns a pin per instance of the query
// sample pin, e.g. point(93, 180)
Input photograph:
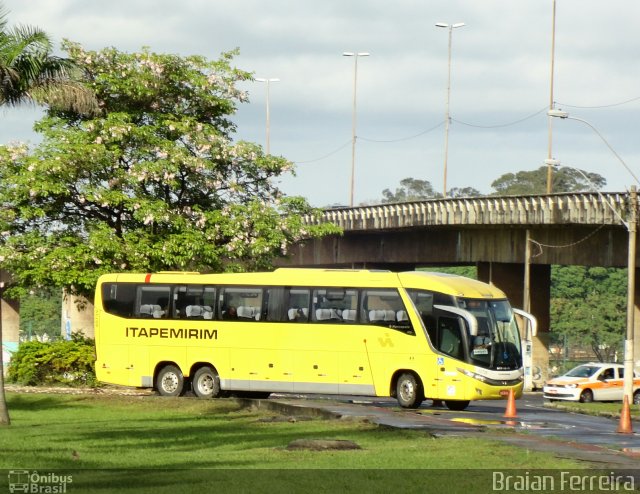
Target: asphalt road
point(580, 436)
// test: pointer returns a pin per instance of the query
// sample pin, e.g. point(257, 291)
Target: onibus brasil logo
point(41, 483)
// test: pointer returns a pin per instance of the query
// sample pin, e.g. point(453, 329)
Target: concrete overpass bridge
point(499, 235)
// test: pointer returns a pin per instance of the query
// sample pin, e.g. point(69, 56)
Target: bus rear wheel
point(170, 381)
point(206, 383)
point(409, 391)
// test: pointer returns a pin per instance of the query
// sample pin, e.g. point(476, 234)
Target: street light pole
point(631, 282)
point(447, 120)
point(631, 226)
point(355, 56)
point(268, 81)
point(550, 118)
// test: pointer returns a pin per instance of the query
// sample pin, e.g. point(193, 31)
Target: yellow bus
point(411, 335)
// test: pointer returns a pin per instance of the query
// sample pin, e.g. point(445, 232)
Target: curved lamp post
point(631, 226)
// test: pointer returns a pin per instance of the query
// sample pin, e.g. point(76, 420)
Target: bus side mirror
point(530, 318)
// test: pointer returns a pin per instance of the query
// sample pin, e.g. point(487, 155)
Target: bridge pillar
point(10, 323)
point(77, 316)
point(509, 277)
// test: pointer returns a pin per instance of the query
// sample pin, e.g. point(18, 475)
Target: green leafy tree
point(588, 307)
point(535, 181)
point(463, 192)
point(411, 189)
point(40, 314)
point(154, 182)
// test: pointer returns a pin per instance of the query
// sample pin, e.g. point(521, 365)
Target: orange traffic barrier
point(624, 427)
point(510, 412)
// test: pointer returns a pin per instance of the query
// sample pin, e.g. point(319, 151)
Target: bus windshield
point(497, 344)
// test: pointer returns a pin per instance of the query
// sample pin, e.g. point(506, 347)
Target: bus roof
point(441, 282)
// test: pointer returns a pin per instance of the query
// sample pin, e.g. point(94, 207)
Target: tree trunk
point(4, 410)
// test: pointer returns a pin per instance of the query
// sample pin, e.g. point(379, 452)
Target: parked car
point(595, 381)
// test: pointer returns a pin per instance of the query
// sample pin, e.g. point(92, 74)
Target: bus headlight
point(472, 375)
point(490, 381)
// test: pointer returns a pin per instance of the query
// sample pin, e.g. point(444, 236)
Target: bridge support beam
point(77, 316)
point(509, 277)
point(10, 323)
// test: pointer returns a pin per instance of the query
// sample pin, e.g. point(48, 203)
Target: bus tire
point(206, 383)
point(409, 392)
point(170, 381)
point(456, 405)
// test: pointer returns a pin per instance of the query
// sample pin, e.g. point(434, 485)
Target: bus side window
point(118, 298)
point(334, 305)
point(152, 302)
point(193, 302)
point(298, 305)
point(385, 308)
point(241, 303)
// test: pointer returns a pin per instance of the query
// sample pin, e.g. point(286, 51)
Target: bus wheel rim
point(205, 384)
point(170, 382)
point(407, 390)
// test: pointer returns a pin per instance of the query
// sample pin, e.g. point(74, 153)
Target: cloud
point(500, 75)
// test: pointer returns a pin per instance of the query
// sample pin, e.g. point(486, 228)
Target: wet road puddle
point(511, 423)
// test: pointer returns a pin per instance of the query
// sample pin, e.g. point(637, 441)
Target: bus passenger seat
point(207, 312)
point(382, 315)
point(401, 316)
point(151, 310)
point(146, 310)
point(194, 311)
point(246, 312)
point(349, 314)
point(323, 314)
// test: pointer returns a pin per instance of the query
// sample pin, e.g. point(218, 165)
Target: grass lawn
point(599, 408)
point(155, 444)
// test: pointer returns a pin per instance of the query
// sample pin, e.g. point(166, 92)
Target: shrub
point(70, 363)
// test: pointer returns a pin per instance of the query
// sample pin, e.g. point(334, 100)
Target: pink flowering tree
point(153, 182)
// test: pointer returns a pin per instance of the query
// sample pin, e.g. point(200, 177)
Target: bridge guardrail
point(586, 208)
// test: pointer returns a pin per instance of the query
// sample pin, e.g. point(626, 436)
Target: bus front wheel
point(170, 381)
point(456, 405)
point(206, 383)
point(409, 391)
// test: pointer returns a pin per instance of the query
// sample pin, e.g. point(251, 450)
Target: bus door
point(448, 334)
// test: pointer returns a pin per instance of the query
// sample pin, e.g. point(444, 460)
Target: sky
point(499, 93)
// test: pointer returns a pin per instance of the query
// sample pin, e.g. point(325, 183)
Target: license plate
point(504, 392)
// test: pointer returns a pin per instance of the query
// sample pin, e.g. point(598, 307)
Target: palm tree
point(30, 74)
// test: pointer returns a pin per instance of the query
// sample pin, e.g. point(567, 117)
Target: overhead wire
point(599, 106)
point(468, 124)
point(515, 122)
point(404, 138)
